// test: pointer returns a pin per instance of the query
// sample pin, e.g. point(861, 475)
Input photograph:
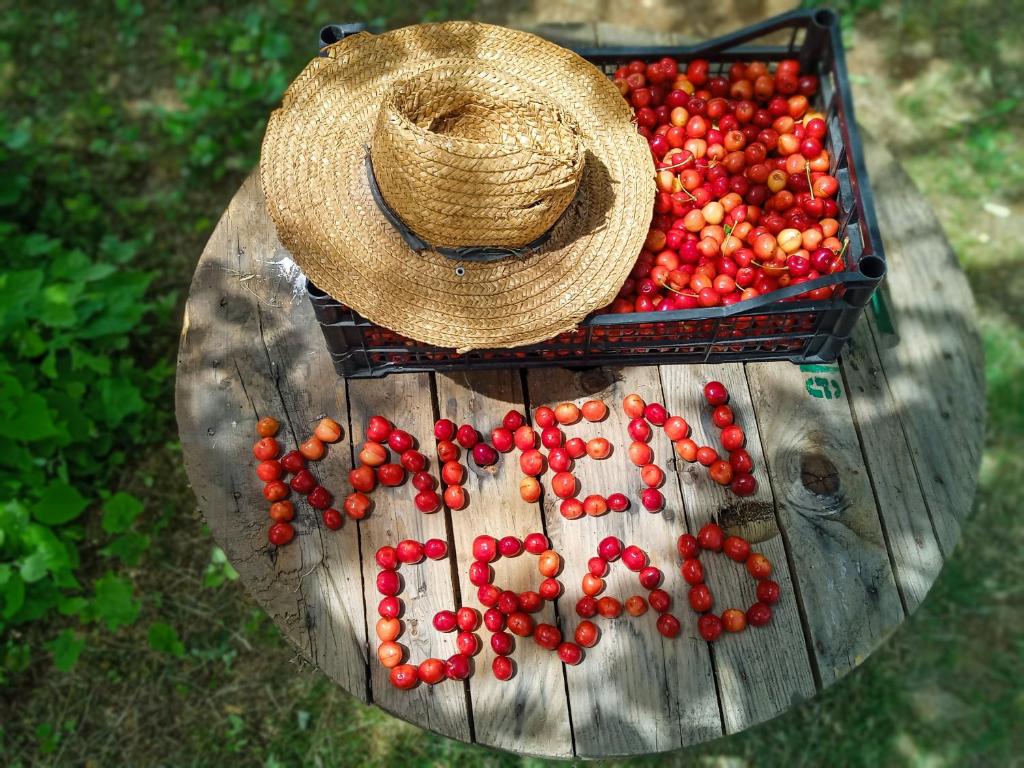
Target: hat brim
point(314, 181)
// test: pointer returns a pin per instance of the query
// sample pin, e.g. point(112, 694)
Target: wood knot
point(592, 380)
point(753, 520)
point(819, 475)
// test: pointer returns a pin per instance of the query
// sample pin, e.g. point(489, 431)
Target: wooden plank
point(244, 354)
point(761, 672)
point(934, 365)
point(428, 588)
point(530, 712)
point(827, 513)
point(913, 547)
point(661, 694)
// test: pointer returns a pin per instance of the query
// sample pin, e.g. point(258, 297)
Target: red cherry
point(676, 428)
point(445, 621)
point(400, 441)
point(457, 667)
point(652, 499)
point(304, 482)
point(700, 598)
point(544, 417)
point(414, 461)
point(319, 498)
point(759, 614)
point(423, 481)
point(484, 455)
point(390, 607)
point(768, 591)
point(266, 448)
point(467, 436)
point(550, 588)
point(659, 600)
point(692, 571)
point(510, 546)
point(535, 543)
point(733, 437)
point(576, 447)
point(639, 429)
point(269, 470)
point(494, 619)
point(559, 460)
point(737, 549)
point(743, 485)
point(551, 437)
point(508, 602)
point(488, 595)
point(293, 461)
point(502, 643)
point(733, 620)
point(378, 429)
point(650, 577)
point(634, 558)
point(531, 462)
point(547, 636)
point(389, 583)
point(530, 601)
point(485, 548)
point(520, 623)
point(609, 549)
point(444, 429)
point(431, 671)
point(391, 475)
point(387, 558)
point(741, 462)
point(503, 668)
point(687, 546)
point(513, 420)
point(275, 491)
point(759, 566)
point(280, 534)
point(586, 634)
point(404, 676)
point(502, 439)
point(570, 653)
point(716, 393)
point(711, 537)
point(586, 607)
point(710, 627)
point(618, 502)
point(722, 416)
point(656, 414)
point(668, 625)
point(435, 549)
point(467, 643)
point(409, 551)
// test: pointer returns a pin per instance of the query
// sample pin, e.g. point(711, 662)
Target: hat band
point(480, 253)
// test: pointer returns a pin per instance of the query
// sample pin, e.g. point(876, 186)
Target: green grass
point(148, 119)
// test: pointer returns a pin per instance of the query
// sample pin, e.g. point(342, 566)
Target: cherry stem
point(846, 242)
point(684, 189)
point(810, 186)
point(675, 165)
point(681, 293)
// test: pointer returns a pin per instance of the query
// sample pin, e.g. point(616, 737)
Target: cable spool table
point(866, 471)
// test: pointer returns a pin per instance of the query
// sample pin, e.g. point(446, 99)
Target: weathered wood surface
point(530, 712)
point(664, 690)
point(855, 552)
point(761, 671)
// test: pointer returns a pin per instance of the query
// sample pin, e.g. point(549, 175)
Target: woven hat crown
point(467, 156)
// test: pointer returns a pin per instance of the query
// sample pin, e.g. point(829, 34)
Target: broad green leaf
point(33, 567)
point(119, 398)
point(13, 592)
point(120, 511)
point(113, 603)
point(66, 648)
point(127, 548)
point(164, 638)
point(60, 503)
point(72, 606)
point(30, 421)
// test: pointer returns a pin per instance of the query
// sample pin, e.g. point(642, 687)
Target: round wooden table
point(866, 471)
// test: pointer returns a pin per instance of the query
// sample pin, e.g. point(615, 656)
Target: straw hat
point(462, 184)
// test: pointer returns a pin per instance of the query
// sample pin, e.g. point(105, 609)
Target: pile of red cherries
point(745, 200)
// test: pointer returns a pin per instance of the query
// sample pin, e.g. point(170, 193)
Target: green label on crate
point(823, 387)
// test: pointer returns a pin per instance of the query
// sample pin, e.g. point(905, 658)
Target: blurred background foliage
point(125, 637)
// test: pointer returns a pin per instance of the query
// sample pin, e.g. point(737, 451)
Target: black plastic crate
point(774, 326)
